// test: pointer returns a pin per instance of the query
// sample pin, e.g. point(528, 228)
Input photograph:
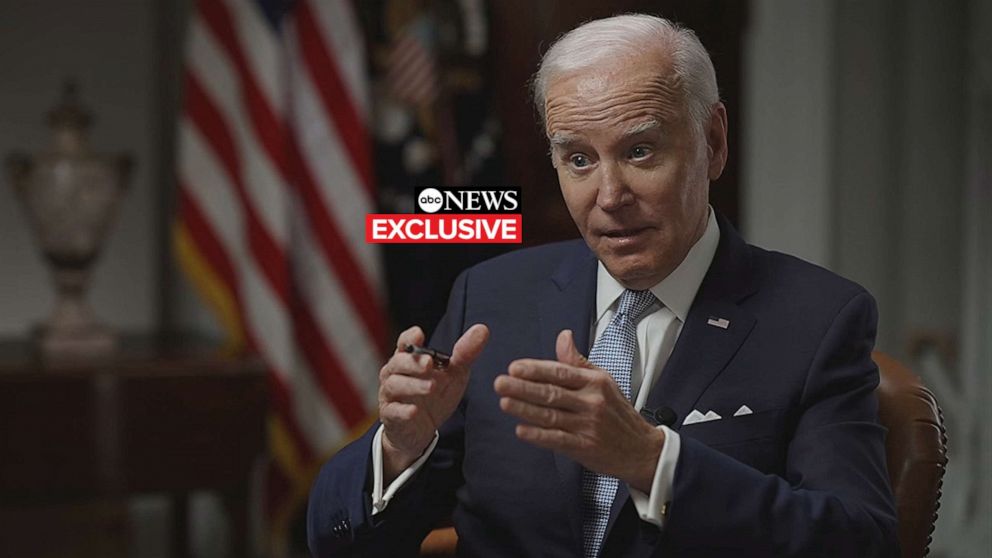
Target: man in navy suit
point(742, 420)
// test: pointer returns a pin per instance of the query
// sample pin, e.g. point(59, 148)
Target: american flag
point(275, 178)
point(412, 71)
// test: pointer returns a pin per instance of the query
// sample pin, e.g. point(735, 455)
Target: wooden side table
point(159, 417)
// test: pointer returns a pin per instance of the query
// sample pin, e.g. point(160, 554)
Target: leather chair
point(916, 449)
point(440, 543)
point(916, 452)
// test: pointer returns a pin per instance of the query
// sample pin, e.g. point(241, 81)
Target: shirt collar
point(678, 289)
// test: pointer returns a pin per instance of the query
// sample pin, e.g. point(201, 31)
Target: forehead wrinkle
point(667, 88)
point(656, 97)
point(565, 124)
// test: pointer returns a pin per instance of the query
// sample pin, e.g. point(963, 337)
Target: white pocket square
point(744, 410)
point(696, 417)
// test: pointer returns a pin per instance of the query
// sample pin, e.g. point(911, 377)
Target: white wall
point(108, 46)
point(865, 158)
point(854, 156)
point(870, 165)
point(787, 127)
point(935, 50)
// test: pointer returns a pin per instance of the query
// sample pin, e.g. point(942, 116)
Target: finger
point(469, 346)
point(539, 415)
point(549, 438)
point(406, 364)
point(405, 388)
point(546, 395)
point(410, 336)
point(566, 351)
point(552, 372)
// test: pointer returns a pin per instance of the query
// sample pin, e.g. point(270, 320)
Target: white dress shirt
point(657, 332)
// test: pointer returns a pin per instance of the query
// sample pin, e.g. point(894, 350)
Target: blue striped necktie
point(614, 352)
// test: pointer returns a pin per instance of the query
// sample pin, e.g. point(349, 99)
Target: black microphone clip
point(660, 416)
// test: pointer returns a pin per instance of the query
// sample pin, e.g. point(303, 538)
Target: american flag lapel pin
point(721, 323)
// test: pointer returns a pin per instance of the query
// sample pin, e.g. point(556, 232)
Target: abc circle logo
point(430, 200)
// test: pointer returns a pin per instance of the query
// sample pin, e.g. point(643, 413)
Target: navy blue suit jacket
point(803, 475)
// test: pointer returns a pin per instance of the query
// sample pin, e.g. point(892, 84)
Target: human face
point(633, 171)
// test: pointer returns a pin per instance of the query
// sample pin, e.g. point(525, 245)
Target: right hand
point(415, 398)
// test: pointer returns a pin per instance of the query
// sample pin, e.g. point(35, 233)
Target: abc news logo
point(468, 200)
point(452, 216)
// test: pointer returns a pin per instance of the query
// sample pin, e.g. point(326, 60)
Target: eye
point(578, 160)
point(640, 152)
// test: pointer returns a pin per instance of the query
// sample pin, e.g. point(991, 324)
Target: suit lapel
point(692, 367)
point(703, 350)
point(701, 353)
point(567, 303)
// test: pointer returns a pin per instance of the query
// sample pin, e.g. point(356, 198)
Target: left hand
point(573, 407)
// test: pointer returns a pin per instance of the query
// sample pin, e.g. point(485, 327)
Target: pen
point(440, 359)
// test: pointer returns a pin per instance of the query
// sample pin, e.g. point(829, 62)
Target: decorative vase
point(70, 195)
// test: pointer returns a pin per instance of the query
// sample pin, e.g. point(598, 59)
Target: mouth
point(620, 234)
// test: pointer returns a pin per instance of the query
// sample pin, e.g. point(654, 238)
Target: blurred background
point(251, 316)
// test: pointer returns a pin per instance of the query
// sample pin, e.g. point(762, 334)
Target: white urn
point(70, 195)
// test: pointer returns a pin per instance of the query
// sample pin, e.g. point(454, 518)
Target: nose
point(614, 192)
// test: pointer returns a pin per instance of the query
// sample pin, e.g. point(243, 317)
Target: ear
point(716, 140)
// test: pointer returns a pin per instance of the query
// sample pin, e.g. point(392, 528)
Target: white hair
point(630, 35)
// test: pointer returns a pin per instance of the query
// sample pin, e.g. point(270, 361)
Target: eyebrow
point(641, 127)
point(560, 139)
